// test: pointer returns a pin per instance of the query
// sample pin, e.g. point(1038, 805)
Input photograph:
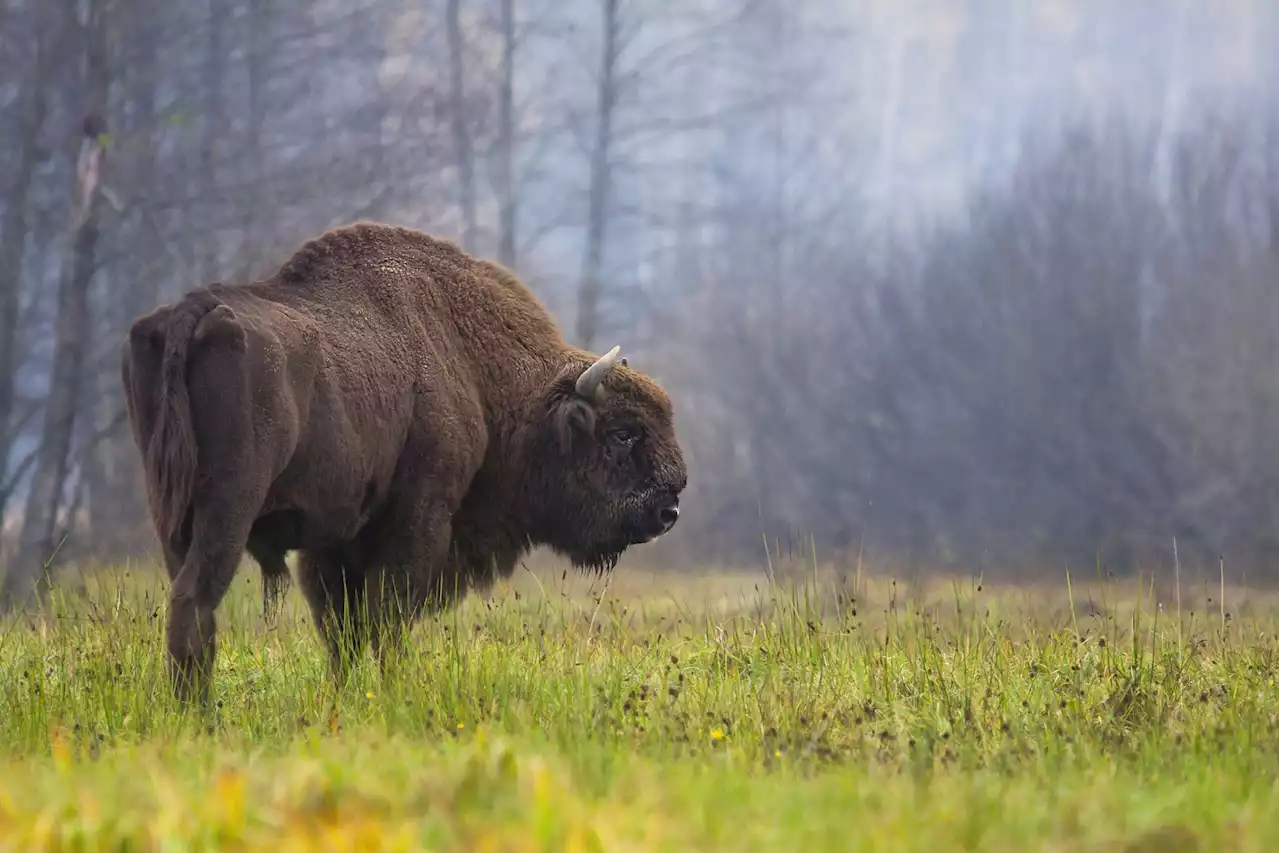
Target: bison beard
point(405, 416)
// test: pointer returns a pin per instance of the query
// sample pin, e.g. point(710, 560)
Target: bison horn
point(588, 384)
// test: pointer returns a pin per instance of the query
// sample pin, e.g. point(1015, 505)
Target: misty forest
point(981, 285)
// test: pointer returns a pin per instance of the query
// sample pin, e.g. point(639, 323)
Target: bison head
point(613, 470)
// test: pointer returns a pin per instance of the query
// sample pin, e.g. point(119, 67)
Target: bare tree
point(505, 154)
point(459, 119)
point(14, 233)
point(259, 70)
point(601, 175)
point(907, 322)
point(44, 500)
point(215, 130)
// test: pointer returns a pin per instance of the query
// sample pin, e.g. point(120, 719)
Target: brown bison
point(405, 416)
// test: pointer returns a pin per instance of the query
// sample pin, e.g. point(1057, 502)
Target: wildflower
point(717, 734)
point(369, 695)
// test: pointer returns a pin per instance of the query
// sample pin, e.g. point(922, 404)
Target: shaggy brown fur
point(406, 416)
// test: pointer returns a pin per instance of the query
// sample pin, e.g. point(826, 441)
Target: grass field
point(722, 712)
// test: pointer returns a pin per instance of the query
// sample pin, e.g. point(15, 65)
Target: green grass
point(659, 713)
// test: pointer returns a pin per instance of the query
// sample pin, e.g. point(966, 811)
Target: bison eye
point(626, 436)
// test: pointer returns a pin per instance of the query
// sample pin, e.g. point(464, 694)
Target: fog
point(973, 285)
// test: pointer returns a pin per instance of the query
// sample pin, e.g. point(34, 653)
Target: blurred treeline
point(973, 283)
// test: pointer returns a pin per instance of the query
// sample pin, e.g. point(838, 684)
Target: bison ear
point(573, 416)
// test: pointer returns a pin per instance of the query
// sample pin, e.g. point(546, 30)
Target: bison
point(405, 416)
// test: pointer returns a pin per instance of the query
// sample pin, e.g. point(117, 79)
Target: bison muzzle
point(405, 416)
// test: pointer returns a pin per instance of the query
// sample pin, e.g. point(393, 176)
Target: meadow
point(786, 709)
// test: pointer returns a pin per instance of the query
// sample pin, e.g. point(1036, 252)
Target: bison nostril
point(668, 515)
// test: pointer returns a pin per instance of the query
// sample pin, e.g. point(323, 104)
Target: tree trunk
point(215, 128)
point(598, 203)
point(506, 141)
point(257, 78)
point(92, 488)
point(13, 241)
point(115, 497)
point(53, 461)
point(461, 133)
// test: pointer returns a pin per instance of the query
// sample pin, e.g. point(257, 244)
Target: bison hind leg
point(220, 531)
point(206, 575)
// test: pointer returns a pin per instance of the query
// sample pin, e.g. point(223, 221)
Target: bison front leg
point(334, 588)
point(402, 575)
point(408, 545)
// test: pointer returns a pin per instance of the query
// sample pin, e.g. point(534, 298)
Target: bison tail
point(171, 453)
